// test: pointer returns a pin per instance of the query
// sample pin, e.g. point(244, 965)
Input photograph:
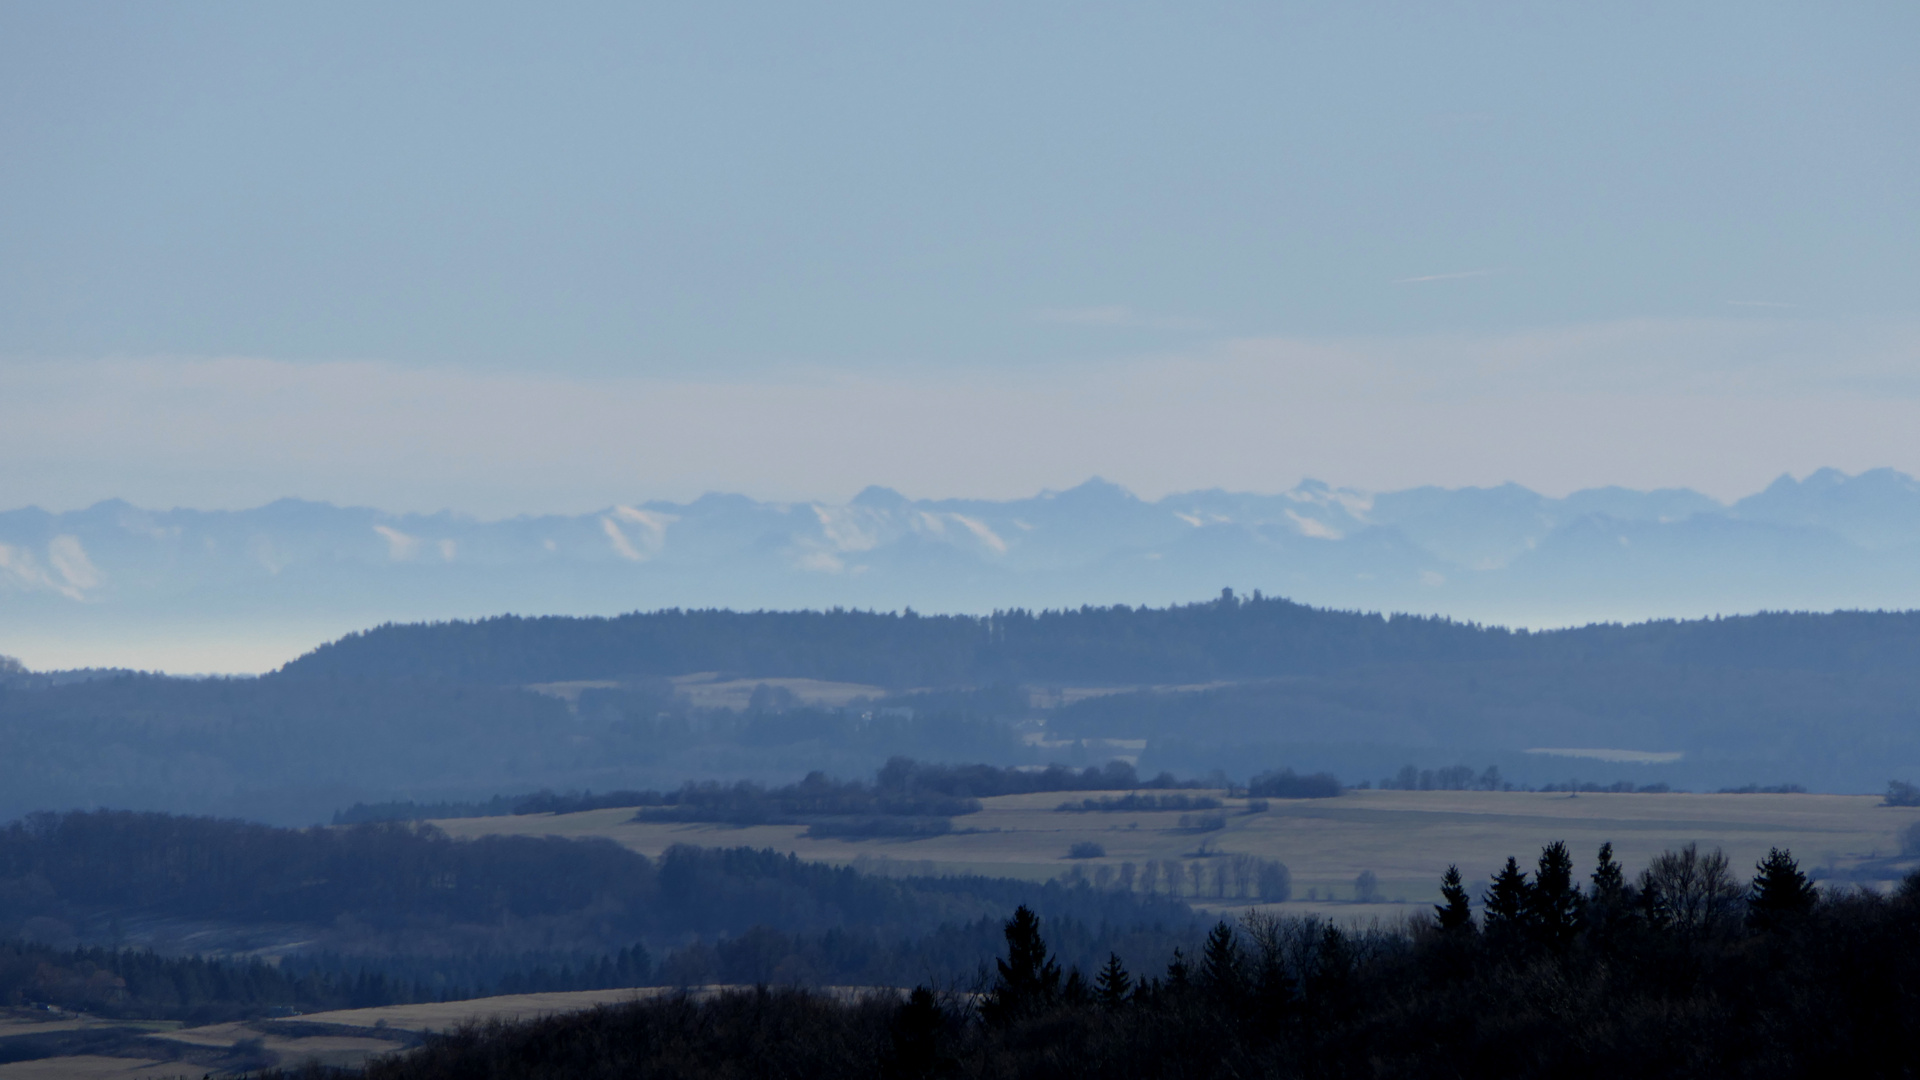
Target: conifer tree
point(916, 1030)
point(1113, 982)
point(1554, 902)
point(1178, 973)
point(1328, 982)
point(1608, 900)
point(1507, 903)
point(1222, 969)
point(1456, 915)
point(1029, 979)
point(1780, 892)
point(1609, 884)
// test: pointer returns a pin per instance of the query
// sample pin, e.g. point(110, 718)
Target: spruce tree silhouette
point(1781, 894)
point(1507, 903)
point(1029, 979)
point(1609, 883)
point(1113, 983)
point(1456, 915)
point(1222, 968)
point(1330, 981)
point(1608, 902)
point(1554, 903)
point(1179, 974)
point(916, 1031)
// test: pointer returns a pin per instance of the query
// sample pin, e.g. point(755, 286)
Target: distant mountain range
point(1499, 555)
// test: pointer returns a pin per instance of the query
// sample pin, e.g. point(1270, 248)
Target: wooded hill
point(441, 713)
point(1230, 638)
point(1245, 684)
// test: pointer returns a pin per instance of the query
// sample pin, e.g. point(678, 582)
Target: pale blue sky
point(747, 196)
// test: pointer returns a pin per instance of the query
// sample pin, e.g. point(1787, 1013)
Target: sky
point(526, 258)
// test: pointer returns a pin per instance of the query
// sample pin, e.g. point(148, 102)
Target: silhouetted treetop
point(1780, 892)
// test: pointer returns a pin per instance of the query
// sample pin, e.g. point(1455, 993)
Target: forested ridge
point(1227, 638)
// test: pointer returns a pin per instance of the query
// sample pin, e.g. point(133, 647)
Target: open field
point(709, 690)
point(95, 1067)
point(441, 1015)
point(35, 1044)
point(1407, 838)
point(119, 1050)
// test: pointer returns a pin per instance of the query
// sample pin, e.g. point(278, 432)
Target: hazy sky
point(535, 257)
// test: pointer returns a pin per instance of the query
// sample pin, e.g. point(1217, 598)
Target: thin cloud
point(1444, 277)
point(1761, 303)
point(1113, 315)
point(1117, 315)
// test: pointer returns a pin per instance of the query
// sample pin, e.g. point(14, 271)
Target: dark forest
point(1686, 971)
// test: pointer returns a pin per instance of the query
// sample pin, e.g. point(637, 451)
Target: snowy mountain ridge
point(1502, 554)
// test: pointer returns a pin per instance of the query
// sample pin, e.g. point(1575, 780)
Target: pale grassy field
point(707, 690)
point(95, 1067)
point(1406, 838)
point(443, 1015)
point(139, 1050)
point(85, 1066)
point(344, 1038)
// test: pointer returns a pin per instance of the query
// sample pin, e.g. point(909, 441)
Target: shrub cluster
point(1285, 784)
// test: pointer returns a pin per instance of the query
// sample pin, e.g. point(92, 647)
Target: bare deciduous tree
point(1243, 870)
point(1691, 891)
point(1366, 887)
point(1150, 877)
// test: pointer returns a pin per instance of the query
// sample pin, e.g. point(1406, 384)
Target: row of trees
point(1134, 802)
point(901, 787)
point(1450, 778)
point(1220, 877)
point(1684, 892)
